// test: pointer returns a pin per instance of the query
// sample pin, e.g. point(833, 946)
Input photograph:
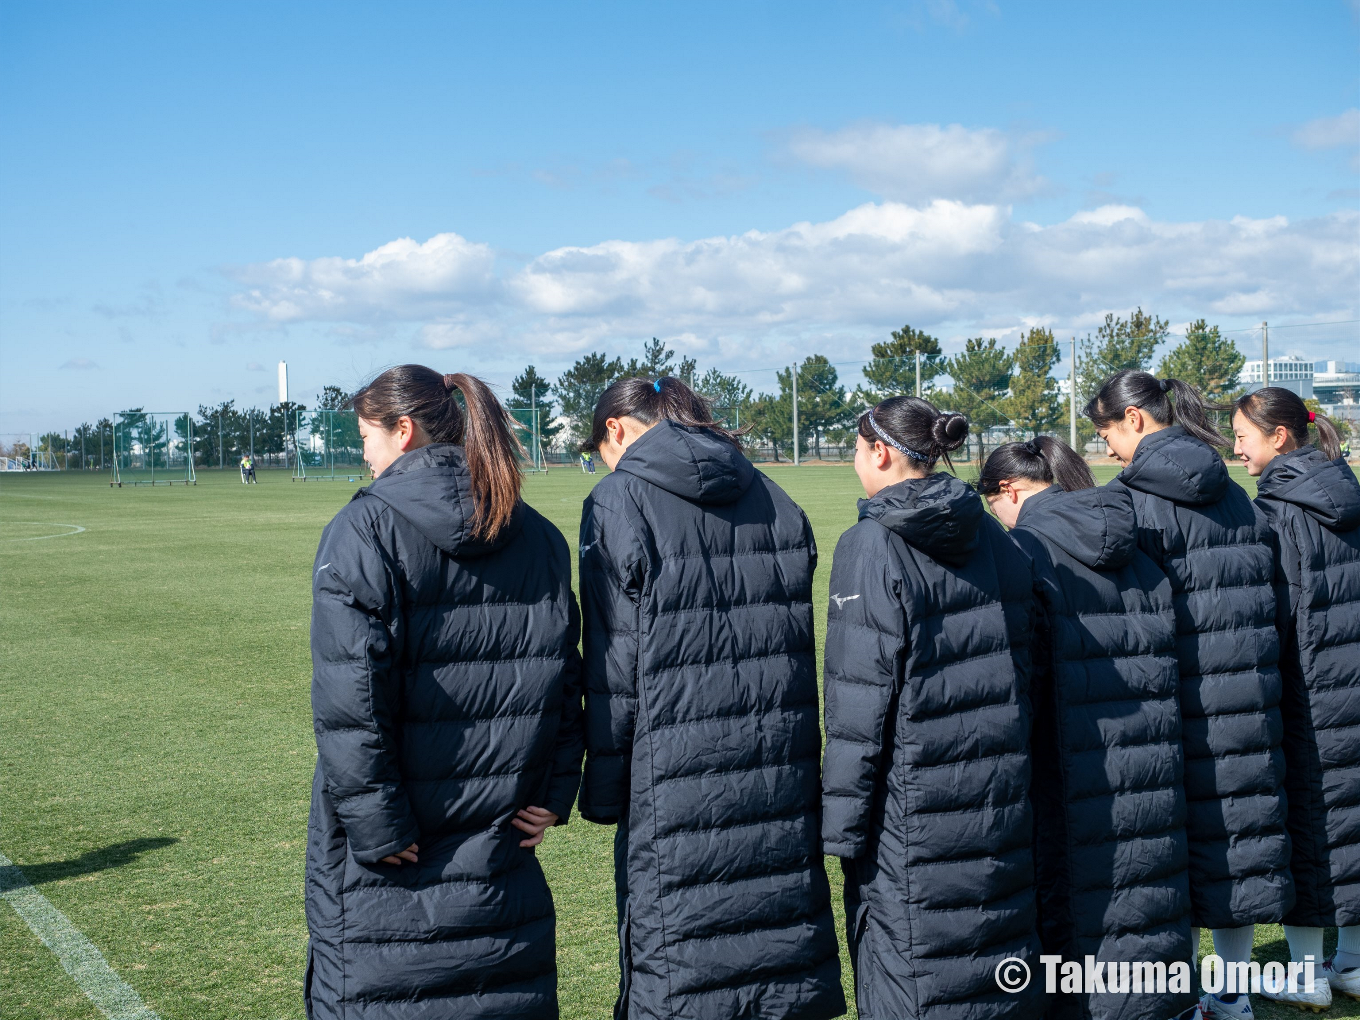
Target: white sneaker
point(1319, 999)
point(1214, 1008)
point(1344, 982)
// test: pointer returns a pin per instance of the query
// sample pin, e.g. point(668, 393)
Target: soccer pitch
point(157, 750)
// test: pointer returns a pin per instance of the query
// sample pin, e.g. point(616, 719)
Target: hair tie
point(1312, 417)
point(448, 382)
point(1033, 447)
point(893, 442)
point(657, 386)
point(1164, 384)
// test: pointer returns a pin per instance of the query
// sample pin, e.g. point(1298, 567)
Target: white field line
point(115, 998)
point(46, 524)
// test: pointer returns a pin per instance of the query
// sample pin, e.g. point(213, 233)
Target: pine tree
point(578, 389)
point(1207, 360)
point(530, 390)
point(982, 375)
point(1034, 404)
point(892, 372)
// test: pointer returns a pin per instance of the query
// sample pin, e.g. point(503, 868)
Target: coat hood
point(692, 463)
point(938, 514)
point(432, 489)
point(1178, 467)
point(1324, 489)
point(1097, 526)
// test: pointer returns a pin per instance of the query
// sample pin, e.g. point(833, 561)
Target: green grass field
point(156, 742)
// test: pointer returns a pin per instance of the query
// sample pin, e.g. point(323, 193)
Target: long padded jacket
point(446, 697)
point(1314, 504)
point(1217, 548)
point(702, 735)
point(1109, 803)
point(927, 771)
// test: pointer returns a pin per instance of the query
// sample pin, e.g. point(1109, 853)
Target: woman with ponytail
point(1110, 844)
point(926, 776)
point(701, 718)
point(1312, 498)
point(446, 703)
point(1201, 528)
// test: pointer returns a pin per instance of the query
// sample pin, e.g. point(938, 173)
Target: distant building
point(1336, 384)
point(1290, 372)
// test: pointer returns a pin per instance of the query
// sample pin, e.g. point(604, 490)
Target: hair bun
point(449, 381)
point(949, 430)
point(1164, 384)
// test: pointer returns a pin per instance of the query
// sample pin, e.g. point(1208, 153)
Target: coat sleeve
point(866, 649)
point(611, 586)
point(353, 695)
point(571, 741)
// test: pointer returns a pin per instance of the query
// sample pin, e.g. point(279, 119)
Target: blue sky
point(194, 191)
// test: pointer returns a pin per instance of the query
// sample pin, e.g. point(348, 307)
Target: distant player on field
point(248, 470)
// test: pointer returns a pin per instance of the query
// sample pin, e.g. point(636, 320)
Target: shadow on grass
point(94, 860)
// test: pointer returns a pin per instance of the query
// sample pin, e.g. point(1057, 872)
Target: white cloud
point(1339, 132)
point(1330, 132)
point(402, 279)
point(918, 162)
point(79, 364)
point(875, 266)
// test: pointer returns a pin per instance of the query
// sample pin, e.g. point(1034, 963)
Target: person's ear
point(1134, 418)
point(1279, 437)
point(406, 431)
point(881, 455)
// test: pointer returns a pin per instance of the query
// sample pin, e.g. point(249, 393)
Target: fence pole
point(221, 451)
point(794, 372)
point(1072, 401)
point(918, 373)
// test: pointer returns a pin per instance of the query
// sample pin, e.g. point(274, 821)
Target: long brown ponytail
point(482, 429)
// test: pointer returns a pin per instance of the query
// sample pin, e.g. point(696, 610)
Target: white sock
point(1234, 944)
point(1304, 942)
point(1347, 948)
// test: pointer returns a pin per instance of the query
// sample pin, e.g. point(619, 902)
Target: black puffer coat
point(446, 696)
point(927, 771)
point(1314, 504)
point(1110, 845)
point(1201, 528)
point(701, 706)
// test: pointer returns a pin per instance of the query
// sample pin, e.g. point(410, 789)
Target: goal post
point(153, 448)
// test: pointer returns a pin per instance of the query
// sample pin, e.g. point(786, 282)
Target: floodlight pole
point(1265, 355)
point(793, 371)
point(1072, 395)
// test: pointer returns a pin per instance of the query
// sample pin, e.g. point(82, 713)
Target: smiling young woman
point(1312, 499)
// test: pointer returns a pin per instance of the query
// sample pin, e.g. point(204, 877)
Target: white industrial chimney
point(283, 382)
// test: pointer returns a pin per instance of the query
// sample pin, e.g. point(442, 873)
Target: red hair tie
point(1311, 417)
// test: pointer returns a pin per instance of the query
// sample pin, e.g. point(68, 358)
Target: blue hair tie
point(657, 386)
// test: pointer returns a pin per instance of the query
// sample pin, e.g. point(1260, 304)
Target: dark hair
point(1042, 459)
point(1133, 388)
point(482, 429)
point(651, 400)
point(927, 432)
point(1272, 406)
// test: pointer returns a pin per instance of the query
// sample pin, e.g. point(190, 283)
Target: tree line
point(991, 384)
